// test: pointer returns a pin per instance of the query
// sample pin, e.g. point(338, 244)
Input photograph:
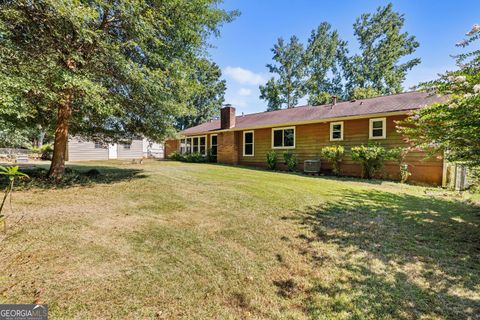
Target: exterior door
point(112, 151)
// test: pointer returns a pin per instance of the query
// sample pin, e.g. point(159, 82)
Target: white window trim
point(211, 138)
point(253, 143)
point(191, 143)
point(341, 131)
point(294, 137)
point(384, 128)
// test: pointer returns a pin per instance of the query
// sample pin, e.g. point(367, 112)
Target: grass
point(174, 240)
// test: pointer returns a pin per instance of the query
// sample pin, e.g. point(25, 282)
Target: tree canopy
point(453, 126)
point(102, 69)
point(323, 58)
point(287, 87)
point(325, 68)
point(382, 45)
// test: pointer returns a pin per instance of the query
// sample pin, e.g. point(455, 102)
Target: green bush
point(399, 154)
point(272, 160)
point(290, 160)
point(177, 156)
point(371, 157)
point(195, 157)
point(334, 154)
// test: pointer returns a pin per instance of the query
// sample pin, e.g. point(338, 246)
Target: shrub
point(272, 160)
point(399, 154)
point(194, 157)
point(334, 154)
point(371, 158)
point(290, 160)
point(176, 156)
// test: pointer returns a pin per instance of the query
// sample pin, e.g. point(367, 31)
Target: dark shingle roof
point(385, 104)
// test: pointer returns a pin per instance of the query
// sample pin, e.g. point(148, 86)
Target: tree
point(208, 96)
point(453, 126)
point(364, 93)
point(271, 93)
point(287, 88)
point(101, 69)
point(382, 45)
point(324, 57)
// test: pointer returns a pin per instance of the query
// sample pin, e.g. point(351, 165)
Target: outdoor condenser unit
point(311, 166)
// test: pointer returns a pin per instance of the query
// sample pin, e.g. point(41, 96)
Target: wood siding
point(311, 138)
point(135, 151)
point(81, 150)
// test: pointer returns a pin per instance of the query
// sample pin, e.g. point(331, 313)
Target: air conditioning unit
point(311, 166)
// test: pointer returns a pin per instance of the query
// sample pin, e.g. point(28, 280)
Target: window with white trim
point(196, 144)
point(336, 131)
point(248, 143)
point(378, 128)
point(283, 138)
point(213, 145)
point(99, 145)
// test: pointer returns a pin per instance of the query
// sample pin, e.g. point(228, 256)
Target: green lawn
point(197, 241)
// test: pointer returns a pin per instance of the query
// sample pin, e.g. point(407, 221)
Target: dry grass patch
point(176, 240)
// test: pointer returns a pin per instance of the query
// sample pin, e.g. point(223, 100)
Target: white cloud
point(244, 92)
point(244, 76)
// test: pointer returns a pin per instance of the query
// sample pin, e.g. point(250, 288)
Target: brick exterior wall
point(228, 143)
point(170, 147)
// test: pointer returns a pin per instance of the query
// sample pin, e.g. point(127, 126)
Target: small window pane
point(248, 137)
point(377, 132)
point(277, 138)
point(214, 150)
point(249, 149)
point(214, 141)
point(336, 135)
point(377, 124)
point(337, 127)
point(202, 149)
point(288, 139)
point(202, 141)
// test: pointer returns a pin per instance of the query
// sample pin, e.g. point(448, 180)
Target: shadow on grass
point(77, 175)
point(428, 250)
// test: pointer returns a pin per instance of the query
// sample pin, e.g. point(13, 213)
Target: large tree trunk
point(57, 168)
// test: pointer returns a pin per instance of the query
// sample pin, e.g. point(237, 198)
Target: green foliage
point(364, 93)
point(289, 68)
point(11, 173)
point(371, 158)
point(334, 154)
point(383, 45)
point(194, 157)
point(207, 98)
point(453, 126)
point(323, 58)
point(399, 155)
point(117, 69)
point(290, 160)
point(272, 159)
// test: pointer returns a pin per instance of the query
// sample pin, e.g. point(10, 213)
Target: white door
point(112, 151)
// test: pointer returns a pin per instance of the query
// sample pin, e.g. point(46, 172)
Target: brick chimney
point(227, 117)
point(334, 100)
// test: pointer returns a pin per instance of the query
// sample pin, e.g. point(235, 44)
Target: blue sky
point(243, 49)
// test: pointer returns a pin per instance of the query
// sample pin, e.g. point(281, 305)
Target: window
point(248, 143)
point(283, 138)
point(336, 131)
point(202, 146)
point(99, 145)
point(213, 145)
point(194, 144)
point(378, 128)
point(127, 146)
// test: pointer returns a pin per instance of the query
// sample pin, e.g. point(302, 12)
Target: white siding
point(79, 150)
point(135, 151)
